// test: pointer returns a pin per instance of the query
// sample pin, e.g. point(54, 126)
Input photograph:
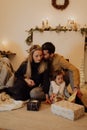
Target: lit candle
point(43, 24)
point(47, 23)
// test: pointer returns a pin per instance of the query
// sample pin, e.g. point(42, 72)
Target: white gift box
point(68, 110)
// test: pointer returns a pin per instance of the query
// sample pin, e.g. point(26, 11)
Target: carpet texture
point(3, 129)
point(44, 119)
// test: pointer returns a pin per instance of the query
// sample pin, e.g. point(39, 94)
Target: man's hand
point(79, 93)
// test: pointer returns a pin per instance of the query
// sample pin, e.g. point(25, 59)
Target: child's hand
point(52, 97)
point(47, 99)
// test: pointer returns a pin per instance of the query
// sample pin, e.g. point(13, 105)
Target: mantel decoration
point(71, 26)
point(60, 4)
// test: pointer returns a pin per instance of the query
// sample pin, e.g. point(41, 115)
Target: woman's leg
point(37, 93)
point(19, 91)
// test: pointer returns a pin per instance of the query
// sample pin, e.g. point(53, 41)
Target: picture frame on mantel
point(60, 4)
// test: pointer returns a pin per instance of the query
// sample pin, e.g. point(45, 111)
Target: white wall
point(16, 16)
point(68, 44)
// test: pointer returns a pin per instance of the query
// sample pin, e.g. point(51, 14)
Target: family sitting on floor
point(44, 75)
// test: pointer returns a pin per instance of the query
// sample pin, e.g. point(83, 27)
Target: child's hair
point(57, 72)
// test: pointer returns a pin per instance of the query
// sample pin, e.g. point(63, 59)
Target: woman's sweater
point(41, 79)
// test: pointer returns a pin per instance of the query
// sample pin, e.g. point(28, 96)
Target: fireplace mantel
point(57, 29)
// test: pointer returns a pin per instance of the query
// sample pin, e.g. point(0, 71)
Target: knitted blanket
point(8, 104)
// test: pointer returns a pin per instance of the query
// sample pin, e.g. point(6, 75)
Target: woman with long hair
point(32, 77)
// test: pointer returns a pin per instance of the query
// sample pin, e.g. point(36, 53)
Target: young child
point(57, 87)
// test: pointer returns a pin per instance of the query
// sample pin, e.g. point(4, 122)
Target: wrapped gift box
point(68, 110)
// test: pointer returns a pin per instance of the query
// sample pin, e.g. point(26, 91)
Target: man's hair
point(48, 46)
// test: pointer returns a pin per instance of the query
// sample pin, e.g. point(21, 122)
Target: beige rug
point(44, 119)
point(3, 129)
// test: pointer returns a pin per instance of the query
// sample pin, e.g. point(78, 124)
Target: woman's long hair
point(43, 65)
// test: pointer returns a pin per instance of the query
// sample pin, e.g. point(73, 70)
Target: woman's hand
point(30, 82)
